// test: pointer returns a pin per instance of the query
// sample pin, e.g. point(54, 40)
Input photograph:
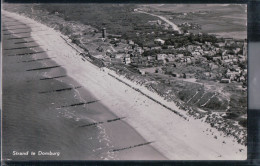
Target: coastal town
point(224, 60)
point(142, 68)
point(197, 58)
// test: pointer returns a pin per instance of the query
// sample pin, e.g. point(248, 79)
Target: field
point(215, 19)
point(120, 19)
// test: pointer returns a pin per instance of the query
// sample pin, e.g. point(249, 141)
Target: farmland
point(217, 19)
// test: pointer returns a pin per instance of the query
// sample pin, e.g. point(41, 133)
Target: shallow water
point(37, 117)
point(33, 121)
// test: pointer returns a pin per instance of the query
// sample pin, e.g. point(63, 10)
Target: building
point(242, 79)
point(130, 42)
point(216, 58)
point(159, 22)
point(224, 57)
point(170, 47)
point(159, 41)
point(142, 72)
point(156, 48)
point(245, 48)
point(127, 60)
point(104, 33)
point(188, 60)
point(161, 56)
point(179, 55)
point(225, 80)
point(159, 70)
point(207, 74)
point(189, 75)
point(175, 74)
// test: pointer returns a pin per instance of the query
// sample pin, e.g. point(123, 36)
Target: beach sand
point(33, 121)
point(172, 135)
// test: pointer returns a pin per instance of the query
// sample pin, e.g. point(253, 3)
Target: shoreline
point(104, 147)
point(136, 121)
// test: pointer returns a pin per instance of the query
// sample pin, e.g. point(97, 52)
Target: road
point(174, 26)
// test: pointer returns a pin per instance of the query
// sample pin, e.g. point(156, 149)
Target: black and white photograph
point(124, 81)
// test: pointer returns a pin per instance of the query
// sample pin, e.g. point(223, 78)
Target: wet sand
point(34, 119)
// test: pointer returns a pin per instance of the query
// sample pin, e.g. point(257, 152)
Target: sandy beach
point(173, 136)
point(36, 116)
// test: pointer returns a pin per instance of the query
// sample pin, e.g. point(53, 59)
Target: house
point(151, 58)
point(200, 51)
point(117, 60)
point(229, 41)
point(223, 80)
point(127, 60)
point(188, 60)
point(224, 57)
point(224, 53)
point(179, 55)
point(175, 74)
point(146, 48)
point(195, 53)
point(221, 44)
point(235, 60)
point(119, 56)
point(206, 52)
point(141, 71)
point(99, 56)
point(161, 56)
point(189, 75)
point(207, 74)
point(244, 72)
point(208, 43)
point(242, 59)
point(108, 52)
point(106, 59)
point(156, 48)
point(100, 49)
point(171, 55)
point(242, 79)
point(216, 58)
point(161, 62)
point(170, 47)
point(232, 74)
point(213, 66)
point(236, 50)
point(183, 75)
point(130, 42)
point(211, 53)
point(159, 41)
point(190, 48)
point(217, 50)
point(159, 70)
point(170, 59)
point(213, 76)
point(228, 61)
point(159, 22)
point(139, 50)
point(230, 56)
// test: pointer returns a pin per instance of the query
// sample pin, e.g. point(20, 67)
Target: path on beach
point(171, 135)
